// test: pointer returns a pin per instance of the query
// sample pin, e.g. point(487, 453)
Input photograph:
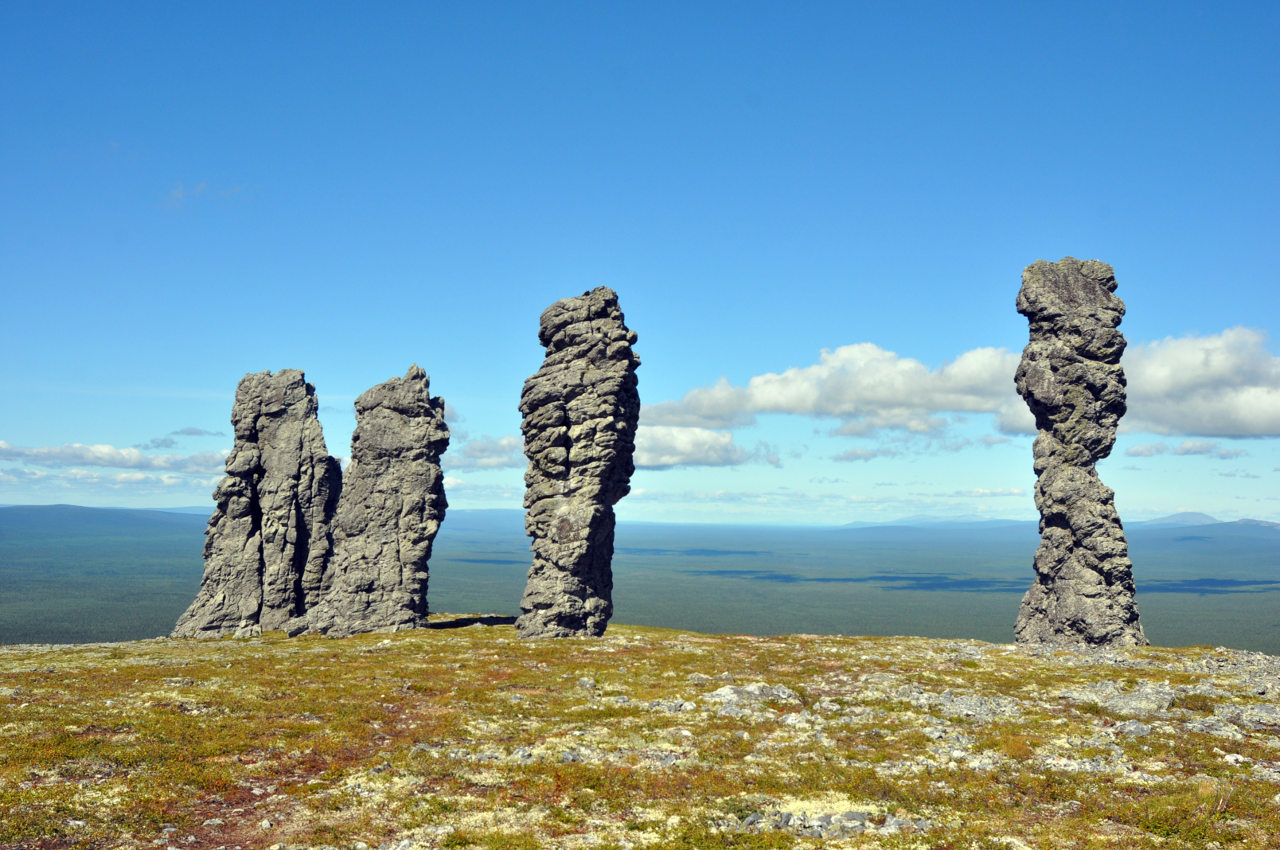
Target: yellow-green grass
point(470, 737)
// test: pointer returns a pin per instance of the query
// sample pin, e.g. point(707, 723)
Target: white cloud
point(1014, 417)
point(1206, 448)
point(157, 443)
point(1225, 385)
point(135, 481)
point(667, 446)
point(486, 452)
point(192, 431)
point(864, 386)
point(168, 441)
point(1146, 450)
point(79, 454)
point(988, 493)
point(864, 454)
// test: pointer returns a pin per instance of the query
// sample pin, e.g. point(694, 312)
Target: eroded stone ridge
point(270, 536)
point(392, 505)
point(580, 413)
point(1071, 379)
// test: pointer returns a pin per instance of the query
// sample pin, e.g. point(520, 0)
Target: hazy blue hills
point(73, 574)
point(1184, 518)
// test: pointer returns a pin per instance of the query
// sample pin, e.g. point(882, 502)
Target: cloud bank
point(488, 453)
point(1226, 385)
point(79, 454)
point(864, 386)
point(1223, 385)
point(1187, 447)
point(667, 446)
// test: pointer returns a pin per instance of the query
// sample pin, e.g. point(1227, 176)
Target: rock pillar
point(268, 542)
point(1070, 377)
point(391, 508)
point(580, 414)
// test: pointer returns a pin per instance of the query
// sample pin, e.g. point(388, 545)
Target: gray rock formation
point(391, 508)
point(580, 413)
point(269, 539)
point(1070, 377)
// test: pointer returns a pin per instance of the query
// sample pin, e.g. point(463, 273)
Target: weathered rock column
point(1070, 377)
point(268, 541)
point(580, 413)
point(392, 505)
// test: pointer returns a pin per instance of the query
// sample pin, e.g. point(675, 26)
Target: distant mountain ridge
point(1183, 518)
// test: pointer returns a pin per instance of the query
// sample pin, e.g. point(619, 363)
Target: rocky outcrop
point(391, 508)
point(1070, 377)
point(580, 413)
point(292, 546)
point(270, 536)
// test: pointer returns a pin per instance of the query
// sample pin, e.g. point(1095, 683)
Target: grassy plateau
point(463, 735)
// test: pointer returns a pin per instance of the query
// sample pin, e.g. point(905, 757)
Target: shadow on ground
point(480, 620)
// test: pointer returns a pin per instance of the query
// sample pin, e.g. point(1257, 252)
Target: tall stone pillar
point(391, 508)
point(580, 414)
point(1070, 377)
point(268, 542)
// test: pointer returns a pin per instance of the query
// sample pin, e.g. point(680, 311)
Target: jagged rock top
point(1052, 290)
point(590, 324)
point(392, 504)
point(400, 418)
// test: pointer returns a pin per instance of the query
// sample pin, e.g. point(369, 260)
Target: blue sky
point(815, 215)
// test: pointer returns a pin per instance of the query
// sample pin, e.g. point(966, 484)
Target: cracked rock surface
point(1071, 379)
point(270, 535)
point(392, 505)
point(580, 413)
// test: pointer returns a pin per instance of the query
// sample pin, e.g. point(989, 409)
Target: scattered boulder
point(391, 508)
point(580, 414)
point(1070, 377)
point(270, 536)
